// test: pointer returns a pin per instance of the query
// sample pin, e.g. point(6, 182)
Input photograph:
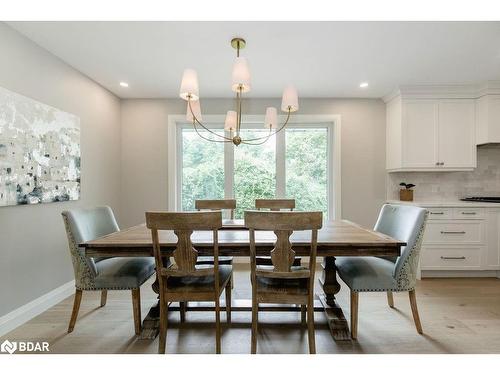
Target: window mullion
point(280, 165)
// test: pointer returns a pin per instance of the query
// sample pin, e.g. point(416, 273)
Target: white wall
point(34, 256)
point(144, 151)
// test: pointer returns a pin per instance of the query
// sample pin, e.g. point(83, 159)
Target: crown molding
point(489, 88)
point(463, 91)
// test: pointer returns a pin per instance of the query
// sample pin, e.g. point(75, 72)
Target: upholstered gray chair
point(398, 274)
point(103, 273)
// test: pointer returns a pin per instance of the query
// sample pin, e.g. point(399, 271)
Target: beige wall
point(34, 257)
point(145, 142)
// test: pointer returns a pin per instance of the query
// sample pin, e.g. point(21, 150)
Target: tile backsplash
point(445, 186)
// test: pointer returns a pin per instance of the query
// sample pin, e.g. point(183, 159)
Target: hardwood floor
point(458, 316)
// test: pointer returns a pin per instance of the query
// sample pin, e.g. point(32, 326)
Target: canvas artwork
point(39, 152)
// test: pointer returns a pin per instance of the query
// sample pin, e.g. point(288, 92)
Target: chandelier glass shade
point(241, 84)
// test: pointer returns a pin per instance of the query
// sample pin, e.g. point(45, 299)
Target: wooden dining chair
point(278, 205)
point(282, 282)
point(275, 204)
point(184, 280)
point(215, 205)
point(388, 274)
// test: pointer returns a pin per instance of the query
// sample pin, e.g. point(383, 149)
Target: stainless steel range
point(482, 199)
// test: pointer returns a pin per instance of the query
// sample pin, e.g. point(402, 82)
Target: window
point(202, 169)
point(295, 163)
point(307, 168)
point(254, 171)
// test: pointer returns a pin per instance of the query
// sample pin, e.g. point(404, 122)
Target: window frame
point(331, 122)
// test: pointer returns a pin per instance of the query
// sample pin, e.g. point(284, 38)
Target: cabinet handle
point(442, 163)
point(437, 163)
point(468, 213)
point(437, 213)
point(458, 258)
point(452, 232)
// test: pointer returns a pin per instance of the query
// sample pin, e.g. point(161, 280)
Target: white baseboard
point(27, 312)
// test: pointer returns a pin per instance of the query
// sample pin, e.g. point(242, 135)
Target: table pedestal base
point(336, 320)
point(333, 312)
point(151, 323)
point(326, 303)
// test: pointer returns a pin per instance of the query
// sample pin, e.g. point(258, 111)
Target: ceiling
point(322, 59)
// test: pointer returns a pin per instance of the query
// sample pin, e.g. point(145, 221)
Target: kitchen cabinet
point(430, 135)
point(460, 238)
point(488, 119)
point(419, 134)
point(456, 134)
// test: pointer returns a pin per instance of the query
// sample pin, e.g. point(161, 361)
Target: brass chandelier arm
point(270, 135)
point(258, 143)
point(238, 127)
point(208, 139)
point(195, 120)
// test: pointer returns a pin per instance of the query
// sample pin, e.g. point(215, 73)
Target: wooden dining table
point(336, 238)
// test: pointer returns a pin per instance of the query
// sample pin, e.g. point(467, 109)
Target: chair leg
point(182, 311)
point(163, 326)
point(217, 326)
point(136, 307)
point(76, 308)
point(390, 299)
point(228, 303)
point(310, 327)
point(303, 312)
point(414, 310)
point(354, 314)
point(255, 318)
point(104, 297)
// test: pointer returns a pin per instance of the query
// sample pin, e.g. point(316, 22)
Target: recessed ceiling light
point(123, 84)
point(363, 85)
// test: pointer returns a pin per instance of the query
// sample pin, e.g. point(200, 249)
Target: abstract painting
point(39, 152)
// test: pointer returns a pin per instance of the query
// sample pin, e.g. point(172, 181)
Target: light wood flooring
point(458, 316)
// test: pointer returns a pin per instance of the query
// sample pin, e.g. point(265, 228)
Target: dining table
point(336, 238)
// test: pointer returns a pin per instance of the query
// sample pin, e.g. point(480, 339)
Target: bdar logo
point(8, 347)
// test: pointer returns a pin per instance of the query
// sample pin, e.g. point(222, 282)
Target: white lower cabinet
point(492, 256)
point(454, 232)
point(461, 239)
point(452, 258)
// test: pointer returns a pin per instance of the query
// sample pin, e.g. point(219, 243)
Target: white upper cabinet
point(420, 127)
point(430, 134)
point(456, 133)
point(488, 119)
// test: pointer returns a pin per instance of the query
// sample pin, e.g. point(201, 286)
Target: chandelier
point(240, 84)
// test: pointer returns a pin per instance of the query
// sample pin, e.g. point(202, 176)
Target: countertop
point(456, 203)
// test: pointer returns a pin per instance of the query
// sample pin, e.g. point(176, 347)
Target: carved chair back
point(185, 255)
point(275, 204)
point(216, 204)
point(283, 223)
